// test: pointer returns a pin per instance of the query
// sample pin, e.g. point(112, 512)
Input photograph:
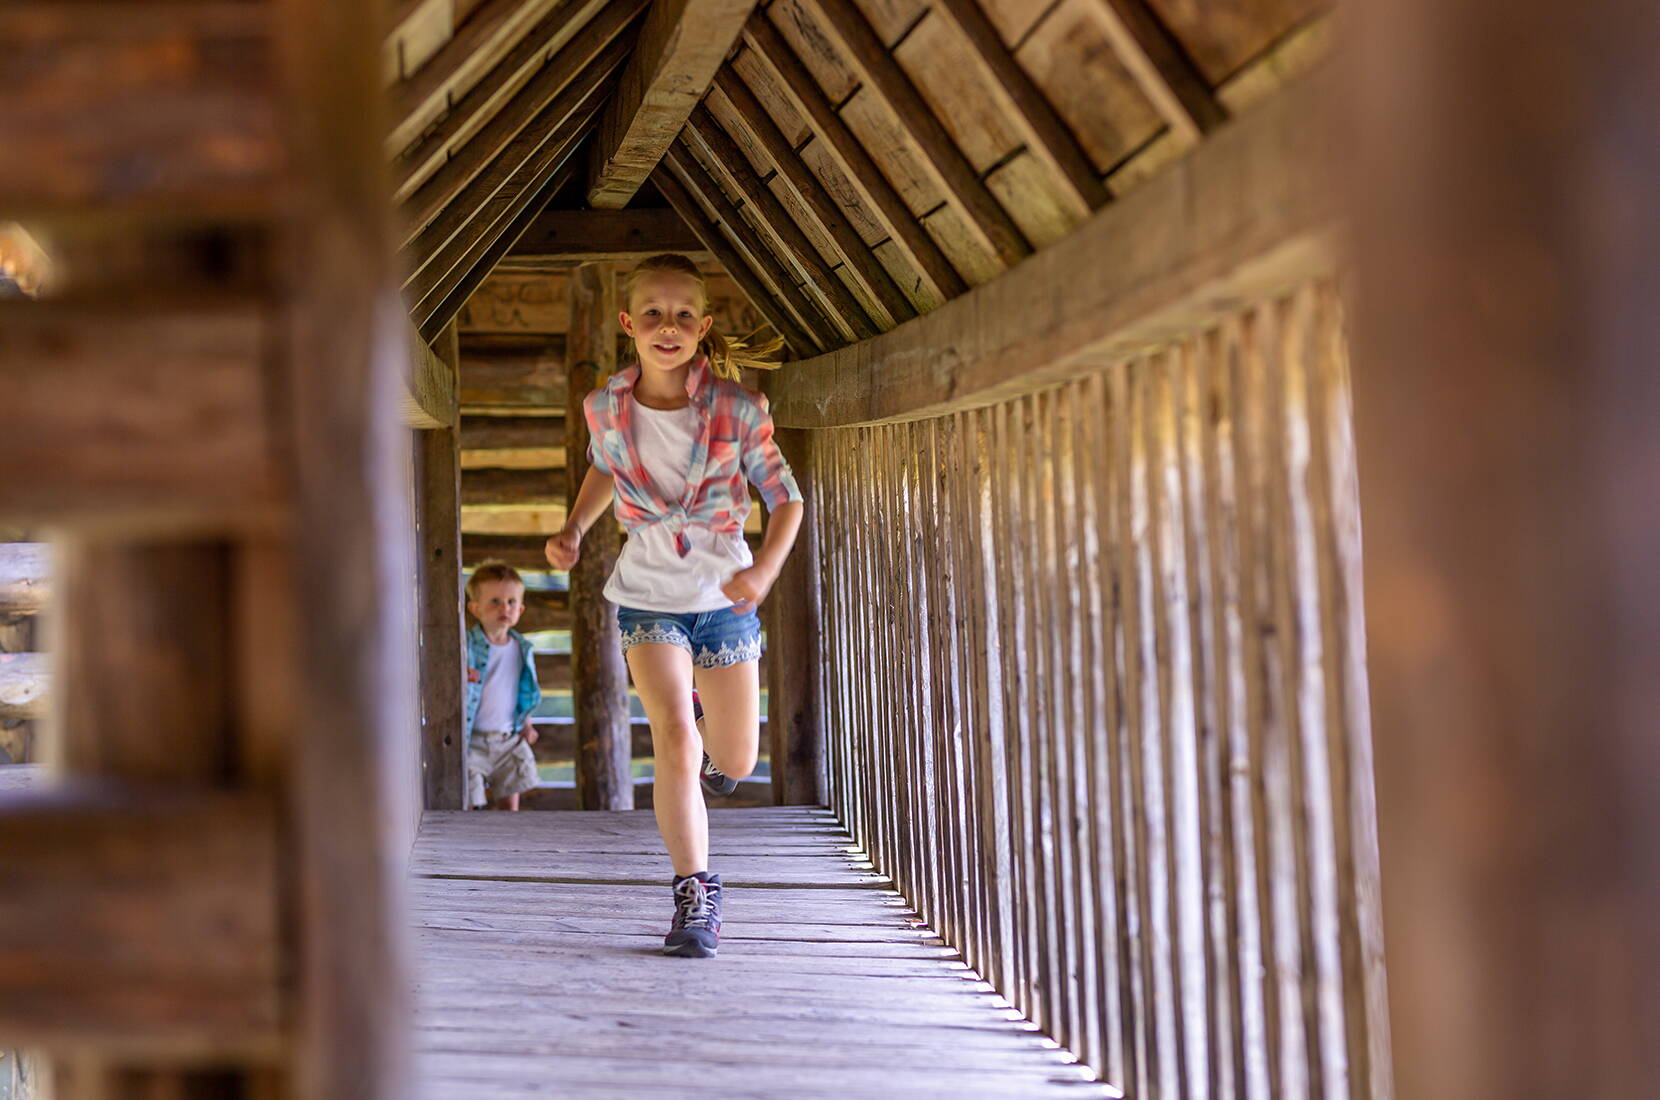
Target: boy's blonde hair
point(727, 356)
point(488, 572)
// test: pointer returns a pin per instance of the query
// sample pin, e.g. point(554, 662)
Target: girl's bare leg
point(731, 699)
point(663, 677)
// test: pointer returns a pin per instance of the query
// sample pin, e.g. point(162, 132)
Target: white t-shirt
point(650, 575)
point(501, 688)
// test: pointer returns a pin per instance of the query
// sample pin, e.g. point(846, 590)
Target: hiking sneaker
point(715, 781)
point(695, 933)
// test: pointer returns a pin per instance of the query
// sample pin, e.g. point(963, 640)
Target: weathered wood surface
point(829, 985)
point(22, 777)
point(1138, 271)
point(429, 400)
point(575, 236)
point(681, 47)
point(1161, 67)
point(140, 924)
point(439, 597)
point(1510, 492)
point(511, 433)
point(519, 551)
point(495, 371)
point(794, 674)
point(513, 489)
point(25, 577)
point(24, 679)
point(1143, 811)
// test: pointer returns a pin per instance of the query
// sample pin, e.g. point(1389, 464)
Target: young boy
point(501, 689)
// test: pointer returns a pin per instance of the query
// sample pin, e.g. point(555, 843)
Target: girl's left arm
point(766, 469)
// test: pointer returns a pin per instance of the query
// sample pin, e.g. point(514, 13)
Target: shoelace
point(693, 897)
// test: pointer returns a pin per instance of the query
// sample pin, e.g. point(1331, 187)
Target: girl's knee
point(677, 746)
point(735, 756)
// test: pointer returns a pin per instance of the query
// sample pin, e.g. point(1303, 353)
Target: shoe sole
point(716, 792)
point(689, 951)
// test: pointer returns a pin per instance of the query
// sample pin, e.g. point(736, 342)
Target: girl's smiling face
point(666, 318)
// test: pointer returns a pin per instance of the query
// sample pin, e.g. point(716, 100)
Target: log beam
point(681, 46)
point(25, 577)
point(577, 236)
point(598, 674)
point(438, 592)
point(498, 433)
point(1138, 271)
point(429, 398)
point(25, 679)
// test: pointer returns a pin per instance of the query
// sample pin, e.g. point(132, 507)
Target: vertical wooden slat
point(795, 695)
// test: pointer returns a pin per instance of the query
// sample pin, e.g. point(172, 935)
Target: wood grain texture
point(567, 236)
point(831, 983)
point(1153, 270)
point(794, 672)
point(681, 46)
point(598, 672)
point(141, 924)
point(438, 579)
point(429, 400)
point(25, 685)
point(1160, 65)
point(25, 577)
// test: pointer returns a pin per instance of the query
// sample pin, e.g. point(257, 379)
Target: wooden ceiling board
point(846, 197)
point(1026, 187)
point(801, 28)
point(948, 72)
point(892, 18)
point(912, 285)
point(960, 245)
point(877, 128)
point(720, 107)
point(1223, 36)
point(1074, 66)
point(1014, 19)
point(765, 87)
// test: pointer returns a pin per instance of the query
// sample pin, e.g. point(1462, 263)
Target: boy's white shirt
point(500, 694)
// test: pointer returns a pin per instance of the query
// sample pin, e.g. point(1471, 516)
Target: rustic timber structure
point(1111, 325)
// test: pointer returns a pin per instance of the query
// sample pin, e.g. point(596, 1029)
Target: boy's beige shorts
point(500, 761)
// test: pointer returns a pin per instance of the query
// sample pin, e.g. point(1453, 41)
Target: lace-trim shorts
point(715, 639)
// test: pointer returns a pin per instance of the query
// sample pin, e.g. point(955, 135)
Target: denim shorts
point(715, 639)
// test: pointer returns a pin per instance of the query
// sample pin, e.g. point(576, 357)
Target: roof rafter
point(877, 69)
point(861, 261)
point(885, 205)
point(1161, 67)
point(575, 236)
point(506, 124)
point(1046, 135)
point(488, 33)
point(770, 212)
point(687, 187)
point(681, 47)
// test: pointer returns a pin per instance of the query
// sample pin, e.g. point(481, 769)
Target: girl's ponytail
point(727, 356)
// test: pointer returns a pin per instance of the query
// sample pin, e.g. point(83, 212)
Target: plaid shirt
point(734, 444)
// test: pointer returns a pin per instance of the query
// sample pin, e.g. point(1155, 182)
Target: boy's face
point(666, 320)
point(498, 604)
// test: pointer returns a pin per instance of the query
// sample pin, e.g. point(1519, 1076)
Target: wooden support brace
point(430, 399)
point(1160, 66)
point(883, 201)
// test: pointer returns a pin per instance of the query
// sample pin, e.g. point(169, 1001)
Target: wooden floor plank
point(539, 938)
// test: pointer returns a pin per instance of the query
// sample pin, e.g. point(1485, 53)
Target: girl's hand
point(562, 549)
point(748, 587)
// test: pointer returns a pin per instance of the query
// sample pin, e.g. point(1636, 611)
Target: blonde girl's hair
point(727, 356)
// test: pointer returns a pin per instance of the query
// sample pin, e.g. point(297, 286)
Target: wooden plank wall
point(1096, 700)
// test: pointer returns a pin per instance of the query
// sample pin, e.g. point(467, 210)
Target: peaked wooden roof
point(852, 163)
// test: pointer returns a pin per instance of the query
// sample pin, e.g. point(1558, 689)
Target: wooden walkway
point(540, 972)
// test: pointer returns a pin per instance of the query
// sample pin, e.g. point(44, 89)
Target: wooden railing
point(1095, 698)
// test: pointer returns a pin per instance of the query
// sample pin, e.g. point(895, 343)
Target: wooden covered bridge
point(1089, 771)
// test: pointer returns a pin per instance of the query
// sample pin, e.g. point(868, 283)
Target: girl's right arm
point(591, 502)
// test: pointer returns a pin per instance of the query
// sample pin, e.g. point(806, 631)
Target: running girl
point(674, 439)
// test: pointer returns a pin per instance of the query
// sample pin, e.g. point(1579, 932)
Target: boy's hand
point(748, 587)
point(530, 732)
point(562, 549)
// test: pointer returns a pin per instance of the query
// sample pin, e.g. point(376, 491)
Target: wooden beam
point(566, 236)
point(142, 926)
point(485, 36)
point(798, 339)
point(495, 138)
point(693, 175)
point(500, 433)
point(438, 588)
point(795, 692)
point(530, 375)
point(513, 489)
point(1138, 271)
point(880, 72)
point(860, 259)
point(834, 297)
point(546, 611)
point(492, 92)
point(429, 397)
point(1048, 138)
point(25, 577)
point(604, 776)
point(98, 399)
point(681, 47)
point(519, 551)
point(1507, 247)
point(1160, 67)
point(877, 194)
point(25, 681)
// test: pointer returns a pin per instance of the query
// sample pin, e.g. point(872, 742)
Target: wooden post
point(599, 678)
point(1506, 400)
point(438, 518)
point(795, 710)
